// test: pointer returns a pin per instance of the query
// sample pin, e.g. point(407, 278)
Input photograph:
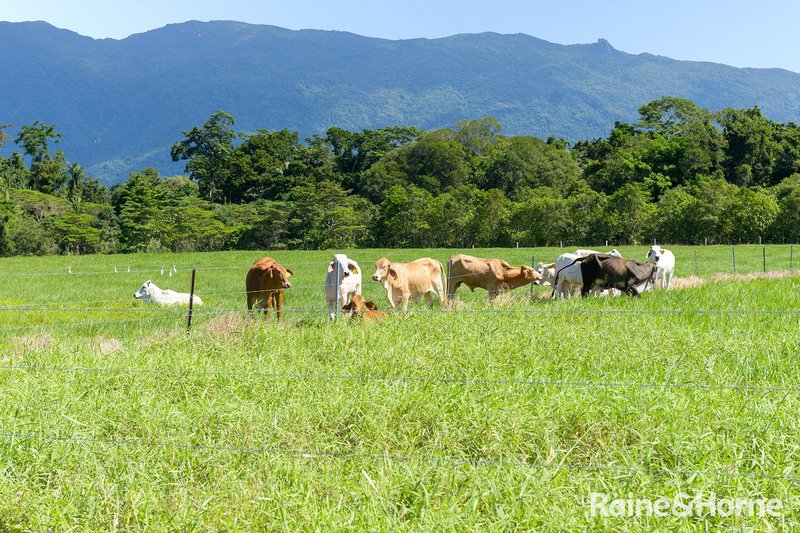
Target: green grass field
point(503, 416)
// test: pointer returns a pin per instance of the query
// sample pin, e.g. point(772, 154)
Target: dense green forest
point(680, 174)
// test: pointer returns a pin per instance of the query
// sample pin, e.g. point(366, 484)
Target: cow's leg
point(585, 288)
point(429, 299)
point(439, 291)
point(278, 296)
point(270, 303)
point(406, 297)
point(668, 279)
point(451, 290)
point(630, 288)
point(331, 310)
point(250, 302)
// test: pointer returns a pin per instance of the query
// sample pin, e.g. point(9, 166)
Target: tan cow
point(493, 275)
point(265, 283)
point(410, 281)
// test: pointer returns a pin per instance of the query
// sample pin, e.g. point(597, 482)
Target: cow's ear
point(393, 272)
point(352, 267)
point(330, 267)
point(369, 304)
point(289, 273)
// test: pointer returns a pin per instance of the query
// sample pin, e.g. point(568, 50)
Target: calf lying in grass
point(360, 306)
point(151, 293)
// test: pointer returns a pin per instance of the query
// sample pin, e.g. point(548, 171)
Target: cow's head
point(383, 269)
point(615, 252)
point(654, 254)
point(360, 304)
point(276, 271)
point(530, 274)
point(342, 266)
point(144, 291)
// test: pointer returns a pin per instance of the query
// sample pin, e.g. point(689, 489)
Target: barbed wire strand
point(185, 269)
point(454, 461)
point(168, 311)
point(456, 380)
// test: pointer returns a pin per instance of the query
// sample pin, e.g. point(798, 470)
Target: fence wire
point(16, 438)
point(454, 380)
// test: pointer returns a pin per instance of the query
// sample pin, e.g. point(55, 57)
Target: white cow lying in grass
point(665, 265)
point(149, 292)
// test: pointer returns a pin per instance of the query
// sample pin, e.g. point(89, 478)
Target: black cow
point(611, 272)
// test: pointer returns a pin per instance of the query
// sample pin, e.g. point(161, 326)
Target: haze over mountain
point(121, 104)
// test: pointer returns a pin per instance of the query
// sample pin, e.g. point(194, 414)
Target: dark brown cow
point(493, 275)
point(610, 272)
point(265, 283)
point(360, 306)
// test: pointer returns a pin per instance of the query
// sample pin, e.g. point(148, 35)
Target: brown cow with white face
point(410, 281)
point(265, 283)
point(493, 275)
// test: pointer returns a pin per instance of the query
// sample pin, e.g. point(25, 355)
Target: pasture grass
point(499, 416)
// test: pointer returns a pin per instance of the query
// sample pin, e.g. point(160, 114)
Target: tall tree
point(47, 174)
point(207, 151)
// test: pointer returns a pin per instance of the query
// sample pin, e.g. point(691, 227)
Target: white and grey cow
point(149, 292)
point(665, 265)
point(342, 282)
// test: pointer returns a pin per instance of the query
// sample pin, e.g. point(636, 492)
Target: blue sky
point(763, 34)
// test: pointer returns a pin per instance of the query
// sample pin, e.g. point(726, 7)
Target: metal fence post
point(733, 259)
point(791, 249)
point(337, 288)
point(696, 272)
point(764, 256)
point(191, 303)
point(533, 267)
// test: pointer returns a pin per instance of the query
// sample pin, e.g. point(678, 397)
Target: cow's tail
point(446, 275)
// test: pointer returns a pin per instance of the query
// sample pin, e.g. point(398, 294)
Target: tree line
point(680, 174)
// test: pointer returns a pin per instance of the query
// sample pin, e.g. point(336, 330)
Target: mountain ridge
point(120, 104)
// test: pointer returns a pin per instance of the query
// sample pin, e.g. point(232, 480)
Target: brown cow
point(493, 275)
point(360, 306)
point(410, 281)
point(266, 281)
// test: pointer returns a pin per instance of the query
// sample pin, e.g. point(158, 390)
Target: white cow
point(548, 273)
point(150, 293)
point(570, 278)
point(567, 276)
point(665, 264)
point(342, 282)
point(584, 253)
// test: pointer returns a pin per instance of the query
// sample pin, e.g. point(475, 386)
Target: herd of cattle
point(584, 271)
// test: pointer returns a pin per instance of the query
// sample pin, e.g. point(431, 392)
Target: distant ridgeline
point(121, 104)
point(678, 174)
